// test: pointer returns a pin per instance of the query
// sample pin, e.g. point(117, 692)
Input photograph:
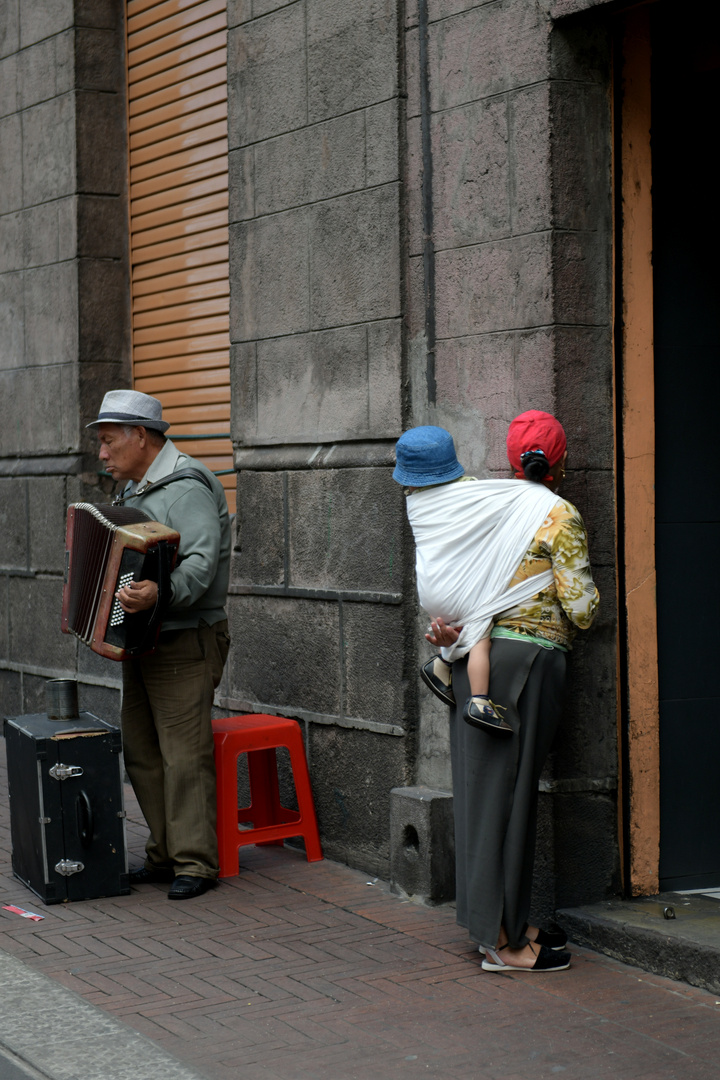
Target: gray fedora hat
point(131, 407)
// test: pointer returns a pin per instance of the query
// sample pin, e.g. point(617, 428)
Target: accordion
point(106, 548)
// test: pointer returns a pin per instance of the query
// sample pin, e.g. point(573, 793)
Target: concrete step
point(672, 934)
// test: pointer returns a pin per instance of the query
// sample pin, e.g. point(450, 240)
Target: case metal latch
point(66, 867)
point(62, 772)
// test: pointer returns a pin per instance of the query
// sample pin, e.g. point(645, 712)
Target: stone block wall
point(509, 114)
point(317, 360)
point(420, 201)
point(420, 233)
point(64, 322)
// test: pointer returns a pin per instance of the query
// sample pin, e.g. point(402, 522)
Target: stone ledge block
point(412, 71)
point(444, 9)
point(279, 663)
point(11, 242)
point(243, 392)
point(385, 379)
point(374, 685)
point(353, 773)
point(500, 285)
point(332, 385)
point(355, 252)
point(415, 303)
point(49, 151)
point(11, 157)
point(39, 67)
point(581, 49)
point(101, 227)
point(102, 701)
point(477, 373)
point(422, 843)
point(35, 636)
point(413, 187)
point(104, 311)
point(345, 529)
point(12, 328)
point(9, 29)
point(47, 511)
point(238, 11)
point(351, 56)
point(581, 157)
point(30, 420)
point(582, 277)
point(264, 7)
point(535, 370)
point(43, 18)
point(313, 387)
point(241, 184)
point(584, 825)
point(13, 524)
point(583, 367)
point(259, 556)
point(51, 307)
point(318, 162)
point(267, 88)
point(269, 277)
point(487, 50)
point(101, 143)
point(10, 686)
point(471, 174)
point(587, 743)
point(49, 233)
point(98, 60)
point(100, 14)
point(382, 151)
point(8, 85)
point(530, 149)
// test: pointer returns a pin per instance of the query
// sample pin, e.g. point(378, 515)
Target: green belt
point(501, 632)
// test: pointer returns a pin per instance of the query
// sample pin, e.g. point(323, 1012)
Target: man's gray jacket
point(200, 580)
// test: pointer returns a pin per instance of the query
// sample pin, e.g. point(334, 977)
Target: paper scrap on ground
point(21, 911)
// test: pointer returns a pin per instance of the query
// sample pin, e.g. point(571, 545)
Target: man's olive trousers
point(168, 745)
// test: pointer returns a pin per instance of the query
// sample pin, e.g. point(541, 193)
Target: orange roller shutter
point(177, 125)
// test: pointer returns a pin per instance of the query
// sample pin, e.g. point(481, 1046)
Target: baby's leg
point(479, 710)
point(478, 667)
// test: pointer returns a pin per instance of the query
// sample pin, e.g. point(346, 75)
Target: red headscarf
point(535, 430)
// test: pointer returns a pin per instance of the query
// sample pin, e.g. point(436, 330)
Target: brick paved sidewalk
point(297, 971)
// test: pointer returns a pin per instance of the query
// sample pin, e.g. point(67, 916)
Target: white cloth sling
point(470, 539)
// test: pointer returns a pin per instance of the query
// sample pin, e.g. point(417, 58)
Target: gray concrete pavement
point(49, 1033)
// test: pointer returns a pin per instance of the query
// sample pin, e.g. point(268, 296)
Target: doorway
point(685, 92)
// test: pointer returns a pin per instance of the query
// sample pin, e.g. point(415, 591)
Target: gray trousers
point(495, 788)
point(168, 745)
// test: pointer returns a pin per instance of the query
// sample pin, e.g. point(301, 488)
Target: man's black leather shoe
point(142, 875)
point(184, 887)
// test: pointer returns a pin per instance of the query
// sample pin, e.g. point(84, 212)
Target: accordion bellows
point(107, 547)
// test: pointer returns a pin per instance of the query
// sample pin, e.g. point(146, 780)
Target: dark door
point(686, 265)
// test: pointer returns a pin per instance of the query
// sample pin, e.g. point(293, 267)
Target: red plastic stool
point(258, 736)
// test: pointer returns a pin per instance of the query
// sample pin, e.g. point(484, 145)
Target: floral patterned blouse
point(556, 613)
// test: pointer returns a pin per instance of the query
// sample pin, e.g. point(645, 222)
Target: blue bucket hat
point(425, 456)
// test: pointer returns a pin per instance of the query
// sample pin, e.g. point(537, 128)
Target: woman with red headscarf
point(495, 781)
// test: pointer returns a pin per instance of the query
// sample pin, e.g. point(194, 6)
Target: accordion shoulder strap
point(181, 474)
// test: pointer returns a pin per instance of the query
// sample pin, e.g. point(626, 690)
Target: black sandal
point(546, 960)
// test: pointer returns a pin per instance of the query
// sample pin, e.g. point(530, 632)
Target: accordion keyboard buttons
point(117, 614)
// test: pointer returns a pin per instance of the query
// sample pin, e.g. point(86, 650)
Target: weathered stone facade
point(420, 231)
point(64, 314)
